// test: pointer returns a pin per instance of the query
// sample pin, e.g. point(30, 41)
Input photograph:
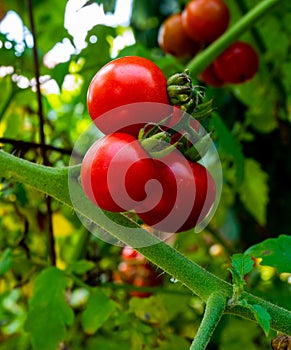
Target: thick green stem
point(207, 56)
point(55, 182)
point(214, 310)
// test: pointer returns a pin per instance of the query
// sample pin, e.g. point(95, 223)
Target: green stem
point(214, 310)
point(55, 182)
point(207, 56)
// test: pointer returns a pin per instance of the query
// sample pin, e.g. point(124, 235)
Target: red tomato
point(237, 64)
point(188, 194)
point(122, 82)
point(205, 20)
point(174, 40)
point(128, 253)
point(209, 77)
point(135, 270)
point(115, 171)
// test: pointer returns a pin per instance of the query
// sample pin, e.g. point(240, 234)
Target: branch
point(51, 240)
point(214, 310)
point(19, 144)
point(55, 182)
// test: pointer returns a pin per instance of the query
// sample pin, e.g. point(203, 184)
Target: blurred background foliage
point(43, 307)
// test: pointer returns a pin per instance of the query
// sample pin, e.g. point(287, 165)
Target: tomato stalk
point(55, 182)
point(214, 310)
point(207, 56)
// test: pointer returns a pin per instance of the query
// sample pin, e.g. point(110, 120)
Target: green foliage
point(254, 191)
point(5, 261)
point(274, 252)
point(77, 305)
point(262, 316)
point(98, 309)
point(48, 313)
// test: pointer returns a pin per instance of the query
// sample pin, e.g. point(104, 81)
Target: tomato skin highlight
point(173, 39)
point(121, 82)
point(188, 195)
point(237, 64)
point(205, 20)
point(114, 172)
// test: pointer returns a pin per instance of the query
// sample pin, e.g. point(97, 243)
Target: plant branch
point(214, 310)
point(55, 182)
point(51, 240)
point(207, 56)
point(19, 144)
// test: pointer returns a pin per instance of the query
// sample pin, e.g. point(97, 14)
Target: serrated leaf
point(254, 190)
point(98, 310)
point(274, 252)
point(48, 313)
point(5, 261)
point(262, 316)
point(242, 263)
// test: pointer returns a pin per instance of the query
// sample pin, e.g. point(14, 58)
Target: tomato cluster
point(135, 270)
point(200, 23)
point(125, 171)
point(237, 64)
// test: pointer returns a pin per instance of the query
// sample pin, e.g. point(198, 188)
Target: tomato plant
point(186, 196)
point(121, 82)
point(237, 64)
point(205, 20)
point(115, 171)
point(60, 256)
point(174, 40)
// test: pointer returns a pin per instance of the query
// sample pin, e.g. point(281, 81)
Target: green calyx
point(189, 108)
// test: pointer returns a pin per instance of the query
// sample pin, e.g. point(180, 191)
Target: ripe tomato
point(135, 270)
point(122, 82)
point(115, 171)
point(209, 77)
point(188, 194)
point(128, 253)
point(174, 40)
point(237, 64)
point(205, 20)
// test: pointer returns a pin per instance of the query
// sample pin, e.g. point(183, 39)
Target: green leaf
point(150, 310)
point(242, 263)
point(275, 252)
point(49, 313)
point(262, 316)
point(108, 5)
point(98, 310)
point(230, 145)
point(82, 266)
point(5, 261)
point(254, 190)
point(59, 72)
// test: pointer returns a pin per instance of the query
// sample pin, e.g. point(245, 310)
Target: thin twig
point(19, 144)
point(51, 240)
